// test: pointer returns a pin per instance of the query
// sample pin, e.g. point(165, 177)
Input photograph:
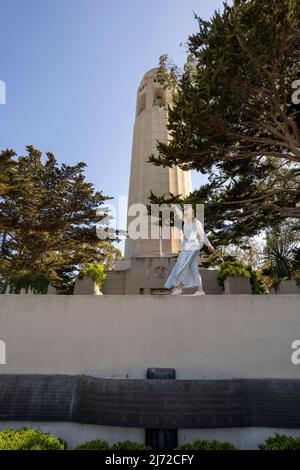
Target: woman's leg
point(200, 287)
point(179, 285)
point(176, 276)
point(195, 275)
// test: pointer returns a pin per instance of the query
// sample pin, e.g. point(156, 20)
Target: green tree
point(233, 116)
point(47, 222)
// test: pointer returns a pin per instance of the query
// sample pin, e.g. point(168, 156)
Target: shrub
point(129, 445)
point(95, 271)
point(281, 442)
point(29, 439)
point(257, 282)
point(93, 445)
point(279, 254)
point(37, 282)
point(235, 268)
point(206, 445)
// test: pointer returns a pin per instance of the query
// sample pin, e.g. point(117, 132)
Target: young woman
point(185, 272)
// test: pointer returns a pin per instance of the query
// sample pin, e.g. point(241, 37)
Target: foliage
point(93, 445)
point(279, 255)
point(35, 439)
point(259, 283)
point(36, 282)
point(103, 445)
point(249, 251)
point(281, 442)
point(48, 220)
point(233, 117)
point(281, 251)
point(95, 271)
point(129, 445)
point(29, 439)
point(207, 445)
point(231, 268)
point(234, 268)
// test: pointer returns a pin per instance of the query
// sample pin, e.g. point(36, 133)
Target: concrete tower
point(150, 126)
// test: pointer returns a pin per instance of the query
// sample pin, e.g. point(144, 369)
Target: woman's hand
point(211, 249)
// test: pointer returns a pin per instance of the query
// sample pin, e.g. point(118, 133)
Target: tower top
point(151, 72)
point(148, 77)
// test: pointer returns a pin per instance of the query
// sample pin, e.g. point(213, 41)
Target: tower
point(151, 126)
point(148, 260)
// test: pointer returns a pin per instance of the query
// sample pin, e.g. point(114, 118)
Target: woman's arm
point(177, 211)
point(179, 214)
point(203, 236)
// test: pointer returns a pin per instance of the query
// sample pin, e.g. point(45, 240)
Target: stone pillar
point(237, 285)
point(287, 287)
point(86, 286)
point(51, 290)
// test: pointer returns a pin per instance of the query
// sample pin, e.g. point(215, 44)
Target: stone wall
point(76, 366)
point(215, 336)
point(147, 275)
point(151, 404)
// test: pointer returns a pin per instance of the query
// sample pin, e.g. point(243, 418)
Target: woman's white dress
point(186, 268)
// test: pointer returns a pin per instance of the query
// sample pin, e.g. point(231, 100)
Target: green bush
point(29, 439)
point(95, 271)
point(93, 445)
point(231, 269)
point(206, 445)
point(129, 445)
point(281, 442)
point(235, 268)
point(257, 282)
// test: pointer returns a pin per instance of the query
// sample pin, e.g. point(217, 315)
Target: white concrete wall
point(242, 336)
point(75, 434)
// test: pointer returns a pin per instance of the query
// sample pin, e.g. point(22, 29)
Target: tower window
point(159, 99)
point(141, 104)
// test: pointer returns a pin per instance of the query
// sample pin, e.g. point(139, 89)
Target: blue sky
point(71, 69)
